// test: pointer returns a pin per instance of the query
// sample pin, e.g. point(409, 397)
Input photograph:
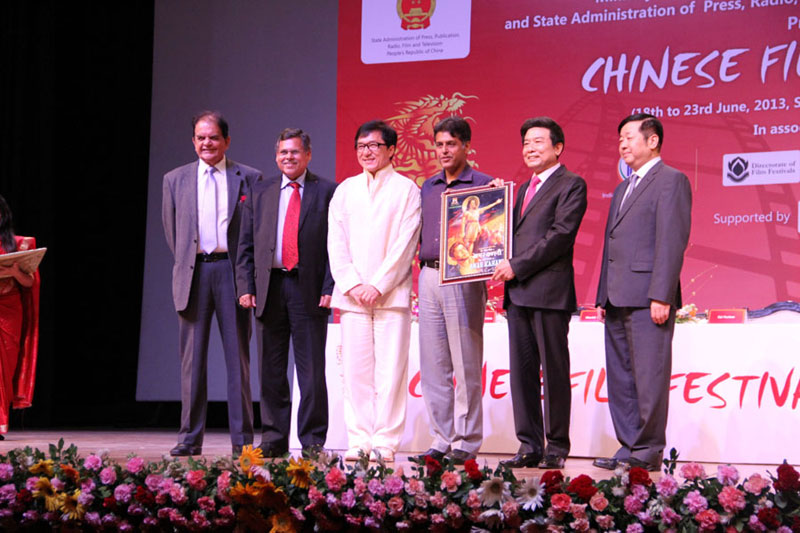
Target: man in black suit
point(283, 273)
point(540, 296)
point(639, 291)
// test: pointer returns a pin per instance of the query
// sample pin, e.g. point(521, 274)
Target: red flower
point(788, 478)
point(110, 503)
point(472, 470)
point(552, 480)
point(796, 524)
point(24, 496)
point(639, 476)
point(144, 496)
point(769, 517)
point(432, 466)
point(583, 487)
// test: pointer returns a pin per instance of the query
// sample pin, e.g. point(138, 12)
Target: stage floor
point(153, 444)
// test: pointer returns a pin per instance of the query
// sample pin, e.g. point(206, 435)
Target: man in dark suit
point(283, 273)
point(639, 291)
point(540, 296)
point(201, 212)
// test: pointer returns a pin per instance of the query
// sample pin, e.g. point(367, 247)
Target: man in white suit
point(201, 208)
point(373, 230)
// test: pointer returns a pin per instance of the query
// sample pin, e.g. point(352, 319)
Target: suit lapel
point(189, 184)
point(638, 191)
point(234, 176)
point(309, 195)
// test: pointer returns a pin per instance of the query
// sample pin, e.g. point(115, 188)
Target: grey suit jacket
point(179, 216)
point(544, 240)
point(258, 238)
point(646, 240)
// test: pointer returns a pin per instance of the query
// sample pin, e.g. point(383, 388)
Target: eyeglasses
point(372, 147)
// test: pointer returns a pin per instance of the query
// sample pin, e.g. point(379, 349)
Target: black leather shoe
point(459, 457)
point(432, 453)
point(523, 460)
point(552, 462)
point(607, 463)
point(272, 451)
point(185, 450)
point(633, 461)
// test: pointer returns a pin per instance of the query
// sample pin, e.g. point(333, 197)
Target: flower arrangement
point(62, 490)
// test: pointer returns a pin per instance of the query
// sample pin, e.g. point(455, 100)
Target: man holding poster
point(540, 296)
point(450, 316)
point(639, 291)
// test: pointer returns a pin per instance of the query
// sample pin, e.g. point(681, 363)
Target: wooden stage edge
point(152, 445)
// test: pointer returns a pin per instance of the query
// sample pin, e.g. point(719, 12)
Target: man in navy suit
point(201, 212)
point(283, 273)
point(540, 296)
point(639, 291)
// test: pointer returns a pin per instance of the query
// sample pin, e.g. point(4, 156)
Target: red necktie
point(530, 192)
point(289, 251)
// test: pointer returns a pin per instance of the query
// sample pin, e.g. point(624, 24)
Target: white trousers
point(375, 362)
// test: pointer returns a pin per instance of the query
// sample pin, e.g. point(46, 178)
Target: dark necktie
point(289, 250)
point(631, 186)
point(535, 181)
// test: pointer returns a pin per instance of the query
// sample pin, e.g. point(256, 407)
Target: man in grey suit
point(540, 296)
point(282, 272)
point(200, 212)
point(639, 291)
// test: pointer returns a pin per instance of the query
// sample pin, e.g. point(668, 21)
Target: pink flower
point(667, 486)
point(93, 462)
point(598, 502)
point(578, 510)
point(755, 524)
point(108, 476)
point(756, 484)
point(30, 483)
point(359, 487)
point(633, 504)
point(640, 492)
point(669, 516)
point(153, 481)
point(122, 493)
point(635, 528)
point(378, 509)
point(581, 524)
point(510, 509)
point(451, 481)
point(349, 498)
point(695, 502)
point(178, 494)
point(86, 499)
point(395, 506)
point(135, 465)
point(605, 521)
point(473, 500)
point(437, 499)
point(393, 484)
point(452, 510)
point(376, 487)
point(707, 519)
point(8, 493)
point(6, 471)
point(691, 471)
point(57, 483)
point(560, 502)
point(206, 504)
point(314, 495)
point(335, 479)
point(196, 479)
point(413, 486)
point(727, 474)
point(87, 485)
point(731, 499)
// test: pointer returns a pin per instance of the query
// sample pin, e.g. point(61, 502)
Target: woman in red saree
point(19, 323)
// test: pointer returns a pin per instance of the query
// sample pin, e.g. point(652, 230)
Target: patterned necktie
point(208, 216)
point(289, 250)
point(631, 186)
point(535, 181)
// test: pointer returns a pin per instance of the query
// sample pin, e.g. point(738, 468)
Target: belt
point(433, 263)
point(284, 272)
point(210, 258)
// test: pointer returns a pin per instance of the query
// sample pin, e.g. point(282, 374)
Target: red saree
point(19, 339)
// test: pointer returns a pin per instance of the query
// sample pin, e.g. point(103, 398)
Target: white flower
point(494, 491)
point(492, 518)
point(530, 494)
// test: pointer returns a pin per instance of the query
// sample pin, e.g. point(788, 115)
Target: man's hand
point(325, 301)
point(248, 301)
point(497, 182)
point(601, 314)
point(659, 311)
point(503, 271)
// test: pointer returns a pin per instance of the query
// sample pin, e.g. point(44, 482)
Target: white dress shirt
point(221, 178)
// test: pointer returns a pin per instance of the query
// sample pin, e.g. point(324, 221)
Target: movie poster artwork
point(476, 233)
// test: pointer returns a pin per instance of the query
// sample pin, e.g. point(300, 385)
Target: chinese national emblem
point(415, 14)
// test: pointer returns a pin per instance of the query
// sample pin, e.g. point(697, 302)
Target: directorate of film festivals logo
point(415, 14)
point(738, 169)
point(624, 170)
